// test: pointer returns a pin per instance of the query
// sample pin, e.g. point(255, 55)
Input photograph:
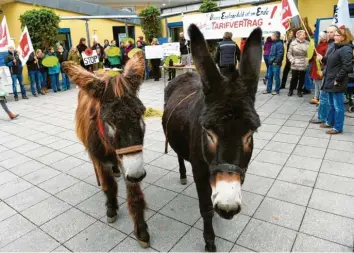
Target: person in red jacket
point(243, 42)
point(316, 72)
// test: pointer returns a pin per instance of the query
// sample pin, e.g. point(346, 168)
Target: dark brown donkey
point(209, 120)
point(109, 122)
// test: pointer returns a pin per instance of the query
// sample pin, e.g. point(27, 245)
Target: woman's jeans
point(335, 116)
point(266, 61)
point(44, 79)
point(318, 83)
point(35, 78)
point(308, 80)
point(323, 107)
point(55, 82)
point(14, 85)
point(65, 81)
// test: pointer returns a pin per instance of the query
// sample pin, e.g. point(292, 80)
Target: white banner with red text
point(241, 22)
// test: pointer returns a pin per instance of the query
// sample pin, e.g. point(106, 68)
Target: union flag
point(25, 47)
point(4, 35)
point(289, 10)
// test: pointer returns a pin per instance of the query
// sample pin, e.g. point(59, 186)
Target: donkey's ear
point(205, 65)
point(251, 61)
point(134, 71)
point(90, 83)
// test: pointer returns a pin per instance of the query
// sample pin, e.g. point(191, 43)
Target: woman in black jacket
point(339, 65)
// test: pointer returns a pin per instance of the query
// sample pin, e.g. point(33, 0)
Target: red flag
point(4, 34)
point(289, 11)
point(25, 47)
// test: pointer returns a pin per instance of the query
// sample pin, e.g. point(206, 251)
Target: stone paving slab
point(297, 196)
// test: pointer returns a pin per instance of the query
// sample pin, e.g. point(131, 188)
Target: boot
point(12, 115)
point(299, 94)
point(290, 93)
point(24, 97)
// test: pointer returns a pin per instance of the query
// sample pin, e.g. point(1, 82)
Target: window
point(129, 8)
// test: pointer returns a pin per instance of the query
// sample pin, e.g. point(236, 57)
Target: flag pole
point(307, 32)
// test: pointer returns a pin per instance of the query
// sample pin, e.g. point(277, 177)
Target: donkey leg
point(116, 171)
point(182, 171)
point(110, 188)
point(137, 206)
point(206, 208)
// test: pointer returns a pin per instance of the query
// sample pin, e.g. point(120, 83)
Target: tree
point(208, 6)
point(205, 7)
point(43, 26)
point(150, 22)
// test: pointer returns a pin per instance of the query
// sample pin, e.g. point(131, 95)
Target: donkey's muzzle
point(133, 166)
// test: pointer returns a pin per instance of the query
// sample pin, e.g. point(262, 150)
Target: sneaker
point(274, 93)
point(314, 101)
point(16, 98)
point(324, 125)
point(264, 81)
point(332, 131)
point(266, 92)
point(24, 97)
point(35, 95)
point(305, 91)
point(290, 93)
point(316, 121)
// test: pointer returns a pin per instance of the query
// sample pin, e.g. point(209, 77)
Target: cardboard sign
point(90, 59)
point(171, 49)
point(154, 52)
point(6, 81)
point(241, 22)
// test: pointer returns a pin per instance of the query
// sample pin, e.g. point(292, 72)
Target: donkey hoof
point(183, 181)
point(116, 174)
point(210, 247)
point(143, 244)
point(112, 219)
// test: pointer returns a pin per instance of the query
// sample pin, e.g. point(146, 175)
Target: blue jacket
point(276, 53)
point(15, 69)
point(55, 69)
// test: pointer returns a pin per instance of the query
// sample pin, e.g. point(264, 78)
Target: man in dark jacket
point(227, 53)
point(323, 108)
point(184, 49)
point(14, 63)
point(34, 74)
point(275, 61)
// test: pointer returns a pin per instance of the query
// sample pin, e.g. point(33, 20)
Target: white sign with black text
point(90, 59)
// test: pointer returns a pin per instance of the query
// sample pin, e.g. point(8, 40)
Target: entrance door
point(64, 38)
point(121, 29)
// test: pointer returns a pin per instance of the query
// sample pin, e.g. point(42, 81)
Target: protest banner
point(240, 22)
point(90, 57)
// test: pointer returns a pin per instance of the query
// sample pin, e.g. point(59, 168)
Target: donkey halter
point(121, 151)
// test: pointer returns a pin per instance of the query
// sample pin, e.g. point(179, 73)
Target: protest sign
point(90, 57)
point(154, 52)
point(241, 22)
point(171, 49)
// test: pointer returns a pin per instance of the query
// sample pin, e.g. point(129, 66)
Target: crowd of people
point(328, 69)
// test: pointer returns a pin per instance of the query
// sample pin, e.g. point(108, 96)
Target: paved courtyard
point(298, 194)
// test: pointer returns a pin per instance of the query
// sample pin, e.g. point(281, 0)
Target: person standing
point(54, 72)
point(74, 56)
point(81, 47)
point(128, 47)
point(287, 67)
point(155, 63)
point(141, 46)
point(42, 70)
point(63, 57)
point(316, 72)
point(3, 95)
point(14, 63)
point(297, 55)
point(141, 39)
point(34, 75)
point(266, 52)
point(339, 65)
point(324, 106)
point(275, 61)
point(227, 53)
point(116, 60)
point(184, 46)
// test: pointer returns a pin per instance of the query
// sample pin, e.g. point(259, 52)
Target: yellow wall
point(103, 27)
